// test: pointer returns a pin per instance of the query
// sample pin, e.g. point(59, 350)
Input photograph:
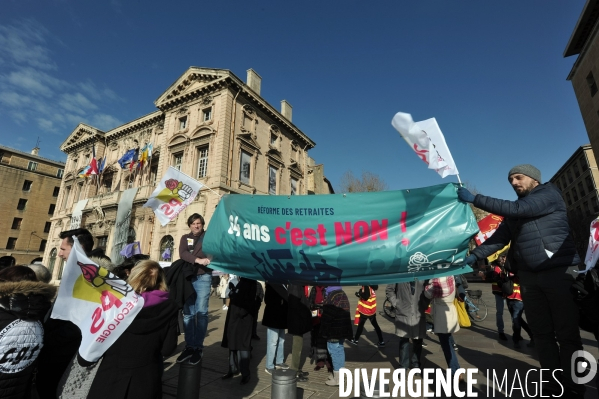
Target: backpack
point(506, 284)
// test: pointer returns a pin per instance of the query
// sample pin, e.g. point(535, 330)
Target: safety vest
point(516, 294)
point(366, 307)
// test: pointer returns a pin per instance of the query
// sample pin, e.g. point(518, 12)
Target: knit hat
point(527, 170)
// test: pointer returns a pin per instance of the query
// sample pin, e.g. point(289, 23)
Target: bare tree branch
point(369, 182)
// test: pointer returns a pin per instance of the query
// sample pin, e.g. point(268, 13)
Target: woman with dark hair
point(237, 335)
point(195, 309)
point(23, 303)
point(132, 366)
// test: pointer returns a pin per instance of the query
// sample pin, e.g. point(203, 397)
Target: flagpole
point(212, 190)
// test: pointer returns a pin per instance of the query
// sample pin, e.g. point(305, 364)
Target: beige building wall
point(577, 179)
point(29, 185)
point(584, 75)
point(210, 125)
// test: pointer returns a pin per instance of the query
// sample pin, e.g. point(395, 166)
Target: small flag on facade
point(93, 165)
point(101, 166)
point(146, 154)
point(126, 158)
point(85, 171)
point(134, 159)
point(166, 254)
point(131, 249)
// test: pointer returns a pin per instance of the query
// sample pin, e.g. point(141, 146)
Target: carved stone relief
point(99, 213)
point(249, 110)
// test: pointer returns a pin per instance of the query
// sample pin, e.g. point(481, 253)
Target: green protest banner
point(348, 239)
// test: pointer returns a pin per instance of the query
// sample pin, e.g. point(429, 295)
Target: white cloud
point(12, 99)
point(32, 92)
point(20, 117)
point(45, 124)
point(105, 122)
point(24, 43)
point(76, 103)
point(28, 80)
point(94, 92)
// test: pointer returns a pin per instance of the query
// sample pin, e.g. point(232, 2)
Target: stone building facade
point(30, 186)
point(584, 75)
point(210, 125)
point(577, 179)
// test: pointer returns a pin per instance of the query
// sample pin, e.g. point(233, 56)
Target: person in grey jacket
point(410, 321)
point(543, 254)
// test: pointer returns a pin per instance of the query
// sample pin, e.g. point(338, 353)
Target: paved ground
point(478, 348)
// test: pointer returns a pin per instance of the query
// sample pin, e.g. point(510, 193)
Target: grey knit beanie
point(527, 170)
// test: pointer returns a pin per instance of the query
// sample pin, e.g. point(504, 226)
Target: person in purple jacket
point(195, 310)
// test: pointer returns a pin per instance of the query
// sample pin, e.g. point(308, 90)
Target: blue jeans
point(499, 301)
point(337, 353)
point(195, 312)
point(516, 309)
point(446, 341)
point(275, 345)
point(404, 353)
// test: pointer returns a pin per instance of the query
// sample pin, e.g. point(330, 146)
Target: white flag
point(593, 249)
point(175, 191)
point(98, 302)
point(427, 141)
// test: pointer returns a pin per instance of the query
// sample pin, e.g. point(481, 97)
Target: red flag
point(134, 160)
point(487, 226)
point(93, 165)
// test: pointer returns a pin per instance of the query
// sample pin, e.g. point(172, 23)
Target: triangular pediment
point(80, 134)
point(295, 167)
point(276, 156)
point(249, 139)
point(192, 80)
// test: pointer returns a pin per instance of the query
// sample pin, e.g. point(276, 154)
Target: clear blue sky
point(492, 73)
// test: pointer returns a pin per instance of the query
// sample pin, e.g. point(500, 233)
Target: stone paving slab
point(478, 348)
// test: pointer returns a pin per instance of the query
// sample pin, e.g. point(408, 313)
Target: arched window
point(61, 267)
point(166, 248)
point(52, 260)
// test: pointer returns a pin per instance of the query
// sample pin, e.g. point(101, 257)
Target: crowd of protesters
point(133, 365)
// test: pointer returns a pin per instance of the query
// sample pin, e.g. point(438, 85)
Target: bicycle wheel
point(481, 311)
point(389, 309)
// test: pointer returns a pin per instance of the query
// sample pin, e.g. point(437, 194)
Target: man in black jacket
point(543, 254)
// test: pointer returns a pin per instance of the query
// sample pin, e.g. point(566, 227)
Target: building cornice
point(222, 78)
point(136, 124)
point(584, 50)
point(584, 27)
point(38, 173)
point(32, 156)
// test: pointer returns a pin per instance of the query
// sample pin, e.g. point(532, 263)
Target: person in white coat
point(441, 291)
